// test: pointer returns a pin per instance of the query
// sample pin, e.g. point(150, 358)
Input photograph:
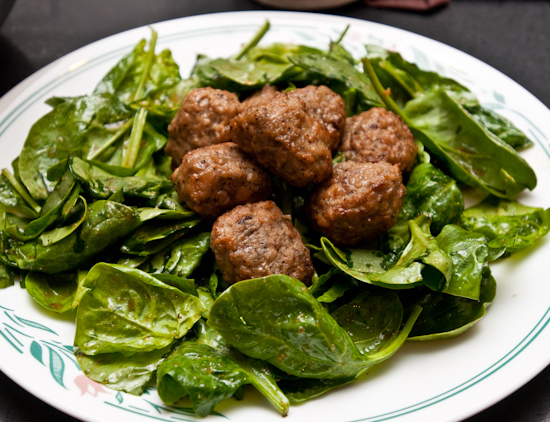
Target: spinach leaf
point(143, 75)
point(412, 80)
point(343, 73)
point(259, 66)
point(59, 203)
point(446, 316)
point(277, 320)
point(125, 310)
point(207, 370)
point(155, 236)
point(429, 192)
point(473, 155)
point(369, 266)
point(122, 372)
point(299, 390)
point(341, 284)
point(78, 123)
point(12, 200)
point(372, 319)
point(55, 235)
point(106, 223)
point(500, 126)
point(101, 184)
point(54, 292)
point(507, 224)
point(7, 278)
point(182, 257)
point(407, 81)
point(469, 253)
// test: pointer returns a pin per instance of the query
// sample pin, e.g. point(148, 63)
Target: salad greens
point(89, 220)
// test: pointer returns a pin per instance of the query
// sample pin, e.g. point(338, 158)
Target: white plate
point(438, 381)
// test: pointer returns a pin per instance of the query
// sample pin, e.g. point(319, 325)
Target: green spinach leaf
point(122, 372)
point(125, 310)
point(54, 292)
point(208, 370)
point(473, 155)
point(507, 224)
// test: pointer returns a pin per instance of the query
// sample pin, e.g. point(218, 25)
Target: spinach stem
point(148, 63)
point(21, 191)
point(121, 131)
point(342, 35)
point(383, 93)
point(132, 149)
point(254, 41)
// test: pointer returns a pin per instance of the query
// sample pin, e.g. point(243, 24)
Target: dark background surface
point(512, 36)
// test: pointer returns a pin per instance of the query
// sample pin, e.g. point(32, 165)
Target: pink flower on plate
point(86, 385)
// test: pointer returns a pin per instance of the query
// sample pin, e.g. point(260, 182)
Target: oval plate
point(438, 381)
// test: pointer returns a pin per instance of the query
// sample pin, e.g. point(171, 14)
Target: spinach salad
point(91, 221)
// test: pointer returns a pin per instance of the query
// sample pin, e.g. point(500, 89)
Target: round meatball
point(326, 106)
point(379, 135)
point(202, 119)
point(216, 178)
point(358, 203)
point(264, 94)
point(285, 139)
point(257, 240)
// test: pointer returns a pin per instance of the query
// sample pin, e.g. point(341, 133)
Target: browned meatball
point(202, 119)
point(264, 94)
point(358, 203)
point(326, 106)
point(216, 178)
point(285, 139)
point(257, 240)
point(379, 135)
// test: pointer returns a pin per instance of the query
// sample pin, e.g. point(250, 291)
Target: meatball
point(379, 135)
point(264, 94)
point(358, 203)
point(257, 240)
point(202, 119)
point(285, 139)
point(326, 106)
point(216, 178)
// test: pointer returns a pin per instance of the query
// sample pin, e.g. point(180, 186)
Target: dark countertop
point(512, 36)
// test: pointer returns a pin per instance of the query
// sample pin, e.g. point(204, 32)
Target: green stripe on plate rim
point(98, 60)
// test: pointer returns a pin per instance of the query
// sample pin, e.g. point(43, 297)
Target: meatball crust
point(257, 240)
point(285, 139)
point(358, 203)
point(202, 119)
point(260, 96)
point(216, 178)
point(326, 106)
point(379, 135)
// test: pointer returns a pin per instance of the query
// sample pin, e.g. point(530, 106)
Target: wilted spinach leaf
point(106, 223)
point(507, 224)
point(76, 123)
point(473, 155)
point(275, 319)
point(122, 372)
point(208, 370)
point(445, 316)
point(125, 310)
point(369, 266)
point(7, 278)
point(53, 292)
point(101, 184)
